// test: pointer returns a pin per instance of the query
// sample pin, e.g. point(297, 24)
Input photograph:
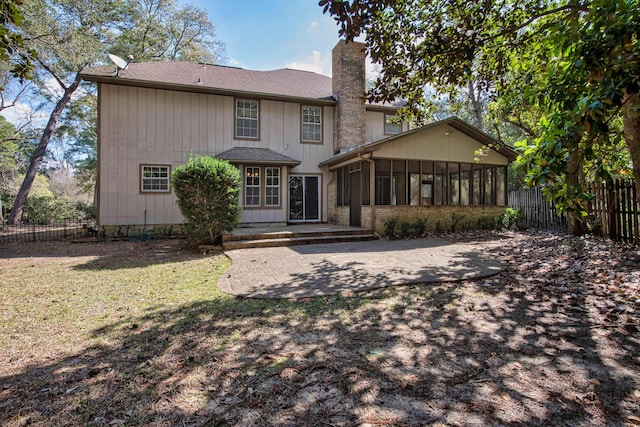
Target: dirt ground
point(553, 340)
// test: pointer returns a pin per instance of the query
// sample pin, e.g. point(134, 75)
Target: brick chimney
point(348, 69)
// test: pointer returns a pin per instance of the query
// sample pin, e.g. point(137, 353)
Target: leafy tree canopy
point(566, 72)
point(13, 48)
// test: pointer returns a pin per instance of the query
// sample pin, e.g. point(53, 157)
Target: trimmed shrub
point(208, 191)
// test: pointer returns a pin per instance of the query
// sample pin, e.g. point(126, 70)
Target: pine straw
point(136, 333)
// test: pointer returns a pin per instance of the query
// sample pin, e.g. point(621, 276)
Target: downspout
point(372, 190)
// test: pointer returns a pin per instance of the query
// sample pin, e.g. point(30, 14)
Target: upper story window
point(391, 128)
point(311, 124)
point(154, 178)
point(247, 118)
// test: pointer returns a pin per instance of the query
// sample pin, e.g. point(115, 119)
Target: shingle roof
point(283, 83)
point(263, 156)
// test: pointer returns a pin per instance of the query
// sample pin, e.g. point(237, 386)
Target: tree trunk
point(39, 153)
point(575, 176)
point(476, 105)
point(631, 121)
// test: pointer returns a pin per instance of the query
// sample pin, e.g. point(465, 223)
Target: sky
point(273, 34)
point(258, 35)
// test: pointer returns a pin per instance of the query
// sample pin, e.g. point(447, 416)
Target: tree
point(208, 192)
point(575, 63)
point(160, 30)
point(69, 35)
point(79, 127)
point(13, 47)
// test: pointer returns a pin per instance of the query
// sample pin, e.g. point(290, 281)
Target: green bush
point(511, 218)
point(489, 222)
point(405, 228)
point(390, 226)
point(47, 209)
point(420, 226)
point(456, 221)
point(208, 191)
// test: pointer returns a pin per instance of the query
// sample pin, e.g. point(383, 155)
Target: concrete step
point(294, 239)
point(288, 234)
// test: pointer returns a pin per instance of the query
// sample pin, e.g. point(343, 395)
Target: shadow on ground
point(338, 268)
point(499, 351)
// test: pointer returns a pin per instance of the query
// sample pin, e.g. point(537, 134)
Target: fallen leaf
point(595, 381)
point(633, 419)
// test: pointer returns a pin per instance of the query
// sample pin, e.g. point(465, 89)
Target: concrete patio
point(328, 269)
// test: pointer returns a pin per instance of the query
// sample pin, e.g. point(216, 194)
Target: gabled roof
point(454, 122)
point(283, 84)
point(263, 156)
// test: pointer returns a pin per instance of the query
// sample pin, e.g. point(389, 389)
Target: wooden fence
point(537, 211)
point(614, 211)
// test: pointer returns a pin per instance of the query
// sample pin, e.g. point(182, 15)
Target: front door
point(304, 198)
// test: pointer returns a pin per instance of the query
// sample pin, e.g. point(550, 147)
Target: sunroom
point(435, 172)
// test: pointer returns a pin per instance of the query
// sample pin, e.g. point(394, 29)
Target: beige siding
point(375, 127)
point(442, 143)
point(152, 126)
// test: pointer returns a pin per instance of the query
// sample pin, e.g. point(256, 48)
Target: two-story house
point(309, 147)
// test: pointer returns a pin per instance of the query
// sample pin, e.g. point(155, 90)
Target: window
point(391, 128)
point(154, 178)
point(252, 186)
point(257, 190)
point(311, 124)
point(247, 123)
point(272, 187)
point(426, 183)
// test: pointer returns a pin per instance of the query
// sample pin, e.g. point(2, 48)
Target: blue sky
point(272, 34)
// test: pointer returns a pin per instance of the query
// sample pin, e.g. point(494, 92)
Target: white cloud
point(234, 63)
point(313, 26)
point(315, 63)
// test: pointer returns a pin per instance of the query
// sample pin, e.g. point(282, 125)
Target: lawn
point(136, 333)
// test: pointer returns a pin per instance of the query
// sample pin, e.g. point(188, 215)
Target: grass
point(137, 333)
point(70, 299)
point(59, 302)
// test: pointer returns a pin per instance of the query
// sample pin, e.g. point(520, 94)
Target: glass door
point(304, 198)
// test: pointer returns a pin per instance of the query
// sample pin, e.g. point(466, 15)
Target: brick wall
point(342, 215)
point(438, 217)
point(348, 79)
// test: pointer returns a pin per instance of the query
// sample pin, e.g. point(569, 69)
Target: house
point(309, 147)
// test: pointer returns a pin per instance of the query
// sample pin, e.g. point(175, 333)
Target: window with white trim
point(252, 186)
point(311, 124)
point(247, 118)
point(154, 178)
point(272, 186)
point(391, 128)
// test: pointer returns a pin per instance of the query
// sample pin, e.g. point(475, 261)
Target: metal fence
point(58, 230)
